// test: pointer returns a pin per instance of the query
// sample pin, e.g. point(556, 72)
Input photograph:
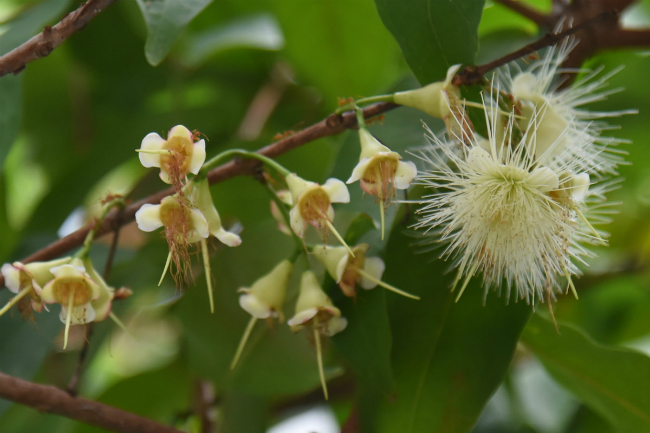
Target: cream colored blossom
point(179, 218)
point(436, 99)
point(176, 156)
point(265, 297)
point(506, 213)
point(316, 308)
point(28, 280)
point(565, 130)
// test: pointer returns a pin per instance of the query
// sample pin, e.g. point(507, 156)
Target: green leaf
point(165, 20)
point(359, 226)
point(339, 46)
point(612, 381)
point(15, 33)
point(450, 357)
point(260, 32)
point(433, 34)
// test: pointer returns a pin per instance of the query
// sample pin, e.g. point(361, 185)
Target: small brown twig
point(471, 75)
point(46, 41)
point(56, 401)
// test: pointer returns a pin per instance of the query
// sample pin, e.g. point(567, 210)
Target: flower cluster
point(73, 283)
point(519, 205)
point(189, 216)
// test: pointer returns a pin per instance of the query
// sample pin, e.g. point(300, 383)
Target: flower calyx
point(436, 99)
point(316, 308)
point(265, 297)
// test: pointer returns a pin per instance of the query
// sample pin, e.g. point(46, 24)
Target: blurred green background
point(242, 72)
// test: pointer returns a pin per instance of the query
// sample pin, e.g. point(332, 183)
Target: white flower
point(73, 288)
point(504, 213)
point(185, 224)
point(378, 166)
point(348, 270)
point(29, 279)
point(315, 307)
point(266, 296)
point(312, 204)
point(565, 130)
point(176, 157)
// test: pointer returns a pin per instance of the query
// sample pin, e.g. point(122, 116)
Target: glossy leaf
point(165, 20)
point(612, 381)
point(260, 32)
point(14, 33)
point(449, 357)
point(347, 51)
point(433, 34)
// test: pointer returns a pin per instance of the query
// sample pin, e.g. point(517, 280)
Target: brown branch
point(527, 11)
point(332, 125)
point(623, 38)
point(45, 42)
point(471, 75)
point(56, 401)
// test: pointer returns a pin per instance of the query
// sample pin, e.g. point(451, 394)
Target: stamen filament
point(482, 107)
point(571, 285)
point(169, 259)
point(385, 285)
point(380, 193)
point(119, 323)
point(208, 274)
point(593, 230)
point(319, 358)
point(466, 282)
point(15, 300)
point(155, 152)
point(242, 343)
point(338, 236)
point(68, 318)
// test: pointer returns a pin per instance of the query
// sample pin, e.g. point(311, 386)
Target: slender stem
point(85, 248)
point(169, 259)
point(285, 214)
point(364, 101)
point(338, 236)
point(15, 300)
point(208, 274)
point(208, 165)
point(69, 317)
point(319, 358)
point(361, 120)
point(242, 342)
point(377, 281)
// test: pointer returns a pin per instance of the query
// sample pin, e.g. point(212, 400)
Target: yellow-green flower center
point(65, 287)
point(314, 204)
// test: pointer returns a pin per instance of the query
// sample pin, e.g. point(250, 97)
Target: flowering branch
point(332, 125)
point(45, 42)
point(471, 75)
point(54, 400)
